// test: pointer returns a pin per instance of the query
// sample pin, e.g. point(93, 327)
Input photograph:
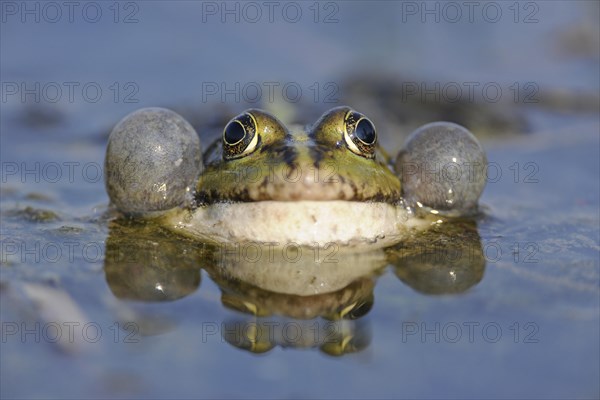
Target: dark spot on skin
point(268, 147)
point(282, 152)
point(354, 189)
point(264, 183)
point(379, 197)
point(205, 197)
point(244, 194)
point(317, 154)
point(291, 172)
point(290, 155)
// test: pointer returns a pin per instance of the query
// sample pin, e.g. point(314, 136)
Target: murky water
point(506, 305)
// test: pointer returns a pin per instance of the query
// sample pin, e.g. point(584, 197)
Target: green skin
point(314, 164)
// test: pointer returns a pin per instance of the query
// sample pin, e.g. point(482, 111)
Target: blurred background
point(523, 76)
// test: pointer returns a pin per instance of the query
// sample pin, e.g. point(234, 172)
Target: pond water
point(505, 305)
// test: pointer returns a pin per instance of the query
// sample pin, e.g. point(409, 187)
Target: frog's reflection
point(145, 264)
point(445, 260)
point(334, 338)
point(288, 296)
point(304, 304)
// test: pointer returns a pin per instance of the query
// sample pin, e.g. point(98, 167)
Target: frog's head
point(260, 159)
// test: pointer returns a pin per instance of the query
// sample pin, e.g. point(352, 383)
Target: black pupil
point(365, 131)
point(234, 132)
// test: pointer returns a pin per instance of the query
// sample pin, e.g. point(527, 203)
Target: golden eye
point(359, 134)
point(240, 137)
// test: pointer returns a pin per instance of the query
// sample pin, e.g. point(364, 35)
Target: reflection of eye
point(239, 137)
point(359, 310)
point(356, 310)
point(359, 134)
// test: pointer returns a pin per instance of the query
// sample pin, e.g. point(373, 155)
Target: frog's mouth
point(307, 188)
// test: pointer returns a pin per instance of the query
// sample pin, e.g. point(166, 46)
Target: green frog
point(315, 185)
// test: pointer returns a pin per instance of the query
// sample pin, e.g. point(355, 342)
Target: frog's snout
point(152, 161)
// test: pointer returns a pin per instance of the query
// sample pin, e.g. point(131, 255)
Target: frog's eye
point(359, 134)
point(239, 137)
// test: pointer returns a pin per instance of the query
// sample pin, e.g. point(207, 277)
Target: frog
point(312, 185)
